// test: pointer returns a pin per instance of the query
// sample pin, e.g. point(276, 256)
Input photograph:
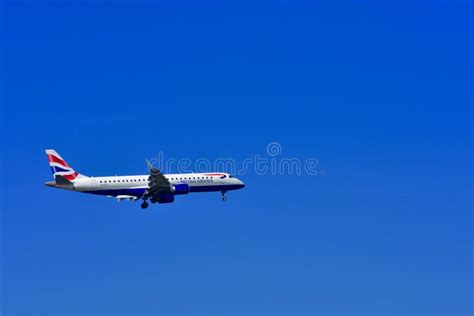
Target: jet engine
point(179, 189)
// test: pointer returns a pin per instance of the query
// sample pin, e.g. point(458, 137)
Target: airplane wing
point(125, 197)
point(157, 183)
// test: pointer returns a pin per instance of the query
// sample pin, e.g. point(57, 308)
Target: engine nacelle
point(179, 189)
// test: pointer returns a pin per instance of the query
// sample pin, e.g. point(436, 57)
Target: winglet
point(150, 166)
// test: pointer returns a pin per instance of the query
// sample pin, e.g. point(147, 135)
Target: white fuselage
point(135, 186)
point(156, 187)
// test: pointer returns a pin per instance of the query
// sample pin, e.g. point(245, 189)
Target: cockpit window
point(231, 176)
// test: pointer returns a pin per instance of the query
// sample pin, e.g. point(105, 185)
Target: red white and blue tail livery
point(155, 187)
point(59, 166)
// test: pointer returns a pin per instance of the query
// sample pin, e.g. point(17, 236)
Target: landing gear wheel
point(144, 205)
point(224, 198)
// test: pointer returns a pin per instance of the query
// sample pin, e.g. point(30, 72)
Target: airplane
point(155, 187)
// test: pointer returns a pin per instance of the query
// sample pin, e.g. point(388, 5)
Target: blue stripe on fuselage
point(114, 192)
point(214, 188)
point(139, 191)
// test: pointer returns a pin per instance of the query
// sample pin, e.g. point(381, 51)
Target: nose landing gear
point(224, 198)
point(144, 205)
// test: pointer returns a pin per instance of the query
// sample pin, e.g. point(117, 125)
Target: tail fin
point(60, 167)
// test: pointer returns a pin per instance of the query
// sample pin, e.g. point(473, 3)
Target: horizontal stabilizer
point(61, 180)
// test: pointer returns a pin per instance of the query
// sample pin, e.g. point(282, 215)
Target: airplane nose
point(242, 185)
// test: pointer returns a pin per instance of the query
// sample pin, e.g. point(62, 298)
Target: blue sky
point(379, 92)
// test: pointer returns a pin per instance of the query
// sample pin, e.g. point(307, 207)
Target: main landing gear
point(144, 205)
point(224, 198)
